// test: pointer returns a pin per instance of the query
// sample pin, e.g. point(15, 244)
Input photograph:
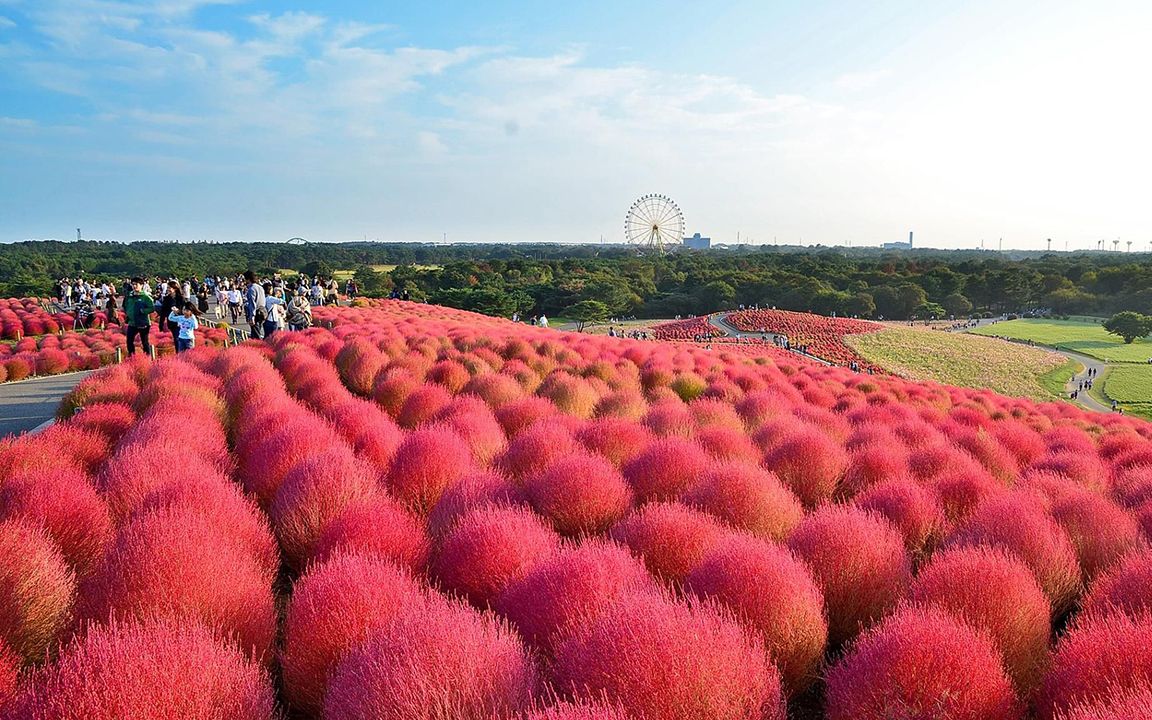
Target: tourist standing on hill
point(255, 308)
point(138, 308)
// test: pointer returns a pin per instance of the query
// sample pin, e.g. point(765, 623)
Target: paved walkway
point(28, 403)
point(721, 323)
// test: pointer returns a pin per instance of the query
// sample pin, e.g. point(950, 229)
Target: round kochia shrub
point(580, 493)
point(535, 448)
point(663, 660)
point(489, 548)
point(995, 593)
point(1126, 587)
point(920, 663)
point(174, 563)
point(772, 593)
point(1099, 529)
point(66, 506)
point(427, 461)
point(148, 671)
point(571, 587)
point(379, 527)
point(9, 670)
point(472, 490)
point(1017, 523)
point(443, 660)
point(810, 463)
point(1134, 704)
point(858, 559)
point(1098, 658)
point(314, 492)
point(267, 458)
point(577, 711)
point(914, 510)
point(670, 537)
point(36, 590)
point(747, 497)
point(665, 469)
point(616, 439)
point(334, 606)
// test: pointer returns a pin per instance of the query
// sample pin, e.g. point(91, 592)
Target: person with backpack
point(255, 305)
point(299, 311)
point(185, 320)
point(138, 308)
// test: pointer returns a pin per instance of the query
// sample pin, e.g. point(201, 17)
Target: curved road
point(1085, 400)
point(27, 404)
point(720, 322)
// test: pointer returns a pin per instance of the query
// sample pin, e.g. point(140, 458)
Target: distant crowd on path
point(267, 304)
point(540, 320)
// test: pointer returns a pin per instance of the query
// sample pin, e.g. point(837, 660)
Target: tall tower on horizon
point(909, 239)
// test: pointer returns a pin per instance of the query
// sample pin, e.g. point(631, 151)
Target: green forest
point(502, 279)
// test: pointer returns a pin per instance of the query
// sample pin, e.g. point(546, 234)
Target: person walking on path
point(138, 307)
point(173, 300)
point(186, 323)
point(255, 308)
point(273, 310)
point(299, 311)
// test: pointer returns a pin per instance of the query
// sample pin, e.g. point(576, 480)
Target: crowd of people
point(267, 304)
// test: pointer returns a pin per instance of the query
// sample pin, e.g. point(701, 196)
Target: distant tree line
point(502, 279)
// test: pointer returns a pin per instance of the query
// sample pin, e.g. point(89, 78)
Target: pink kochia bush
point(570, 588)
point(665, 660)
point(748, 498)
point(995, 593)
point(174, 563)
point(772, 593)
point(577, 711)
point(37, 590)
point(1125, 588)
point(152, 670)
point(9, 670)
point(858, 559)
point(580, 493)
point(334, 606)
point(427, 462)
point(441, 660)
point(376, 526)
point(913, 509)
point(1097, 659)
point(810, 463)
point(491, 547)
point(665, 469)
point(474, 489)
point(1134, 704)
point(670, 537)
point(920, 663)
point(1100, 530)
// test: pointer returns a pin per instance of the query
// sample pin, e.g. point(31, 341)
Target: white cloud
point(6, 22)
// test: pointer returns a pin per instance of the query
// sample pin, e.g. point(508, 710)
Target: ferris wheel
point(652, 222)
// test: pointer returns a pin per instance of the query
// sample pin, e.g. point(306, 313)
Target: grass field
point(1088, 338)
point(967, 361)
point(1131, 386)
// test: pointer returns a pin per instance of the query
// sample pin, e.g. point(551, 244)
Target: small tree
point(586, 312)
point(1129, 325)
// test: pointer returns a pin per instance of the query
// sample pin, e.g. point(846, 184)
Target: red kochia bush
point(747, 497)
point(536, 447)
point(577, 711)
point(66, 505)
point(489, 548)
point(277, 448)
point(665, 469)
point(335, 604)
point(569, 588)
point(472, 490)
point(173, 563)
point(422, 405)
point(1098, 658)
point(772, 593)
point(920, 663)
point(358, 363)
point(858, 559)
point(151, 670)
point(36, 590)
point(671, 537)
point(1126, 587)
point(914, 511)
point(314, 492)
point(995, 593)
point(1099, 529)
point(1016, 523)
point(9, 669)
point(663, 660)
point(443, 661)
point(616, 439)
point(1134, 704)
point(427, 462)
point(580, 493)
point(810, 463)
point(376, 526)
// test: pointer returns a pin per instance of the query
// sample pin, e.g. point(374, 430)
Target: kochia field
point(415, 512)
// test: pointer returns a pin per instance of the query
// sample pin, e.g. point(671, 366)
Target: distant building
point(697, 243)
point(899, 245)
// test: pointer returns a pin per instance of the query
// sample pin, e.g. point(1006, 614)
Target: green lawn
point(1088, 338)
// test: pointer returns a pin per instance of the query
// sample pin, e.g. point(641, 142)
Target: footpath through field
point(26, 404)
point(720, 322)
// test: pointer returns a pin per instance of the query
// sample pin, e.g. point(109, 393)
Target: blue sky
point(823, 121)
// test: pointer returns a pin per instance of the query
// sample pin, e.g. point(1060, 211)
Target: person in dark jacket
point(138, 307)
point(173, 299)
